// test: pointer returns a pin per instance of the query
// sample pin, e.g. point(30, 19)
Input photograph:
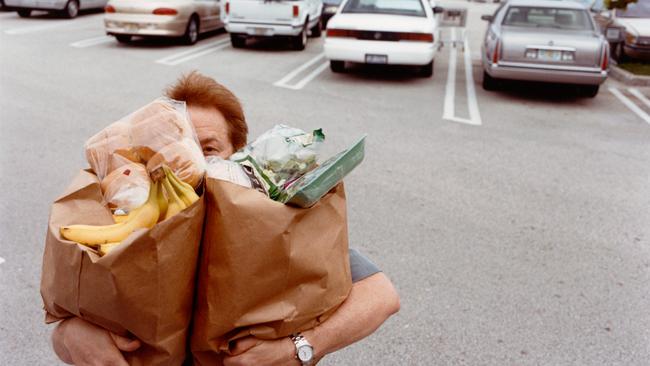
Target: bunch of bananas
point(168, 196)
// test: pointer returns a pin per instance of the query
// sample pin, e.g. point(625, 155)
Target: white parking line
point(52, 24)
point(449, 110)
point(630, 104)
point(2, 260)
point(639, 95)
point(179, 58)
point(283, 83)
point(92, 42)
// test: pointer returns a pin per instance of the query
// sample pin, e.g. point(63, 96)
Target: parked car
point(634, 26)
point(179, 18)
point(67, 8)
point(292, 19)
point(546, 41)
point(383, 32)
point(329, 9)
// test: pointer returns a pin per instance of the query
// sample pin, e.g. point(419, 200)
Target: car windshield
point(396, 7)
point(534, 17)
point(639, 9)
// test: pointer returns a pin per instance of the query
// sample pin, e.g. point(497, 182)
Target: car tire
point(71, 9)
point(123, 38)
point(317, 31)
point(191, 35)
point(589, 91)
point(24, 13)
point(237, 40)
point(426, 71)
point(299, 42)
point(489, 83)
point(337, 66)
point(619, 53)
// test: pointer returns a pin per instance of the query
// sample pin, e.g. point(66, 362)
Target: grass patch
point(637, 68)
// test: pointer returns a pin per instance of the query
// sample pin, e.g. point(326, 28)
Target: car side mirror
point(614, 34)
point(438, 10)
point(487, 18)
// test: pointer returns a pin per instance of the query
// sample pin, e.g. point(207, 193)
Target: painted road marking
point(53, 24)
point(196, 52)
point(639, 95)
point(284, 82)
point(630, 104)
point(449, 110)
point(2, 260)
point(92, 42)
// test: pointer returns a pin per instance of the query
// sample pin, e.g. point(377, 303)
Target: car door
point(210, 12)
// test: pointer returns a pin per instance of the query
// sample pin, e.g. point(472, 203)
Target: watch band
point(300, 341)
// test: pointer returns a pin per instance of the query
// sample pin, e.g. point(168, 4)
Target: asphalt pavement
point(515, 224)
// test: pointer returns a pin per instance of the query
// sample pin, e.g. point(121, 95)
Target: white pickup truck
point(293, 19)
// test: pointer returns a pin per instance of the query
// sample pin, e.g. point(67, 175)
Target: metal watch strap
point(299, 340)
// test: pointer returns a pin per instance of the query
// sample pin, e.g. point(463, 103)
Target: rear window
point(533, 17)
point(395, 7)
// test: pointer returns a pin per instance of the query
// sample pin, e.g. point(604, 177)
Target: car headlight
point(330, 9)
point(630, 38)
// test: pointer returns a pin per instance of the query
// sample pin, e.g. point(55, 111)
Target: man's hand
point(79, 342)
point(251, 351)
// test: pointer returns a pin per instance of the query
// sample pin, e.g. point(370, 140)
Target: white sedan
point(394, 32)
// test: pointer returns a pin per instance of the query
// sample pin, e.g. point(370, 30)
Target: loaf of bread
point(126, 187)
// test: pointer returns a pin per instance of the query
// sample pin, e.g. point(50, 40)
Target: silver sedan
point(547, 41)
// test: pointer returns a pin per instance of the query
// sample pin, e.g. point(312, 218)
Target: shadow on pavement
point(541, 92)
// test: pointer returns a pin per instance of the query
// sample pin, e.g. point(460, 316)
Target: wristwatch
point(304, 350)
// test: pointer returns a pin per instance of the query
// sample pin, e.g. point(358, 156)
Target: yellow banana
point(105, 248)
point(144, 216)
point(184, 190)
point(175, 204)
point(120, 218)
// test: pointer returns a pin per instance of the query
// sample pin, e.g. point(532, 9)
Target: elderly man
point(221, 128)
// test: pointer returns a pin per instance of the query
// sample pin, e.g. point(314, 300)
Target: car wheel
point(24, 13)
point(337, 66)
point(71, 9)
point(317, 31)
point(620, 53)
point(590, 91)
point(426, 70)
point(192, 31)
point(299, 42)
point(123, 38)
point(489, 83)
point(237, 40)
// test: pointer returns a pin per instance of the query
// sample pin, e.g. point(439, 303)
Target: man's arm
point(371, 301)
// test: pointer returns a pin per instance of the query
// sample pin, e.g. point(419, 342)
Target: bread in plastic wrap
point(184, 157)
point(127, 187)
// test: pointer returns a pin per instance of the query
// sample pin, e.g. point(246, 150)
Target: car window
point(639, 9)
point(534, 17)
point(397, 7)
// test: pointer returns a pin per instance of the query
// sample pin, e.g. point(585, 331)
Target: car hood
point(382, 22)
point(636, 26)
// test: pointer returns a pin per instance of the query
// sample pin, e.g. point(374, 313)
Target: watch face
point(305, 353)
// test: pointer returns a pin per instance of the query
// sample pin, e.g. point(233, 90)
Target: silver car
point(68, 8)
point(547, 41)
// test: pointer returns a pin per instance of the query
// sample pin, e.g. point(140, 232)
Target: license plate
point(131, 26)
point(257, 31)
point(550, 55)
point(376, 59)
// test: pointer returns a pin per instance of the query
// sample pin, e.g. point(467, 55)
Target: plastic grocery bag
point(144, 287)
point(280, 156)
point(159, 133)
point(266, 269)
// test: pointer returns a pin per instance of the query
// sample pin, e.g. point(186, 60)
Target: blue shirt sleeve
point(360, 266)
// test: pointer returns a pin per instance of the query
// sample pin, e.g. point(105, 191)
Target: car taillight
point(109, 9)
point(165, 11)
point(416, 37)
point(605, 63)
point(296, 11)
point(227, 8)
point(339, 33)
point(495, 54)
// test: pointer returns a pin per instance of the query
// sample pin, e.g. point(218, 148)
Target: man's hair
point(200, 90)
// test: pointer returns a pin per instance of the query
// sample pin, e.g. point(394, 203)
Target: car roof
point(565, 4)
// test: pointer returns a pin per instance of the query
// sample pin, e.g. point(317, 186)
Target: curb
point(627, 77)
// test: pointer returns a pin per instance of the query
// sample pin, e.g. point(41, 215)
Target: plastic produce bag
point(280, 156)
point(227, 170)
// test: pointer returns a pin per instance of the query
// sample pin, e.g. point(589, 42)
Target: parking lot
point(514, 223)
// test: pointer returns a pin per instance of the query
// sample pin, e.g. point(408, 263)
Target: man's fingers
point(243, 345)
point(125, 344)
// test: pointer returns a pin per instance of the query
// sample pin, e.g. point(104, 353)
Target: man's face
point(212, 131)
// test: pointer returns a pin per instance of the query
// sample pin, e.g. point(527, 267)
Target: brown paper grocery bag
point(144, 287)
point(266, 269)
